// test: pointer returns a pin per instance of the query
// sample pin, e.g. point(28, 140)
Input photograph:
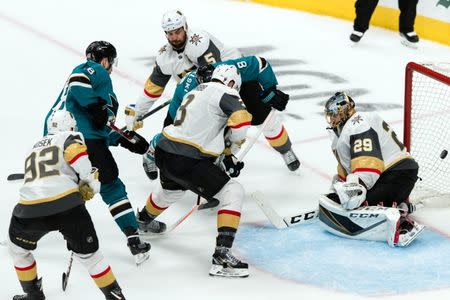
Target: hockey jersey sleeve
point(254, 68)
point(366, 158)
point(239, 119)
point(75, 154)
point(153, 89)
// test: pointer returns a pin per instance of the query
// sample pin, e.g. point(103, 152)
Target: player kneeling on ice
point(58, 180)
point(369, 196)
point(187, 156)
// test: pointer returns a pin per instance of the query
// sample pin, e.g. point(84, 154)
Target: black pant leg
point(392, 186)
point(408, 10)
point(103, 160)
point(364, 10)
point(250, 96)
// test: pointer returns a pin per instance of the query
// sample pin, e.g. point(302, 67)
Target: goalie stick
point(303, 217)
point(15, 176)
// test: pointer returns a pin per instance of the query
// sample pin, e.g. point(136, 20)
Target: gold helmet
point(338, 109)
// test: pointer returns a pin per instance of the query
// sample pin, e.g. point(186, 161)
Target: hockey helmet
point(227, 74)
point(204, 73)
point(172, 20)
point(98, 50)
point(338, 109)
point(61, 120)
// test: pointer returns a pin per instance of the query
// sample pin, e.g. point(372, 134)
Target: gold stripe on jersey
point(104, 278)
point(153, 90)
point(183, 141)
point(367, 162)
point(73, 151)
point(239, 118)
point(49, 199)
point(395, 161)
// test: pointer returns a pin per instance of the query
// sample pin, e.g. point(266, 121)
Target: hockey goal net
point(427, 130)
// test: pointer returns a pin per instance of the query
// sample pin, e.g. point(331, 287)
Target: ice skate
point(225, 264)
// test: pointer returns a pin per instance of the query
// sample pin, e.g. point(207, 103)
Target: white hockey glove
point(334, 180)
point(90, 186)
point(131, 118)
point(351, 193)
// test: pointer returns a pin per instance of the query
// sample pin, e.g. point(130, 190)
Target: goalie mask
point(228, 75)
point(61, 120)
point(338, 109)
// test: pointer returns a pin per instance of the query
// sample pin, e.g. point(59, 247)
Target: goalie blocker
point(373, 223)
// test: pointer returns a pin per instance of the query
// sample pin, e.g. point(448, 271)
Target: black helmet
point(98, 50)
point(204, 73)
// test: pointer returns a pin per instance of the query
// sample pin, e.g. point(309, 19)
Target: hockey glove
point(351, 193)
point(90, 186)
point(275, 98)
point(131, 118)
point(135, 143)
point(231, 165)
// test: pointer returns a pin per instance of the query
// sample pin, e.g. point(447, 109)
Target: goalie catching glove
point(351, 193)
point(275, 98)
point(132, 118)
point(90, 186)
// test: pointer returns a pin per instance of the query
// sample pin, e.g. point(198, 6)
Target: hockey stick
point(306, 216)
point(65, 276)
point(15, 176)
point(162, 105)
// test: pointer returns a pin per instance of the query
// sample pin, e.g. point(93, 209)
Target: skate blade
point(409, 44)
point(411, 236)
point(220, 271)
point(141, 258)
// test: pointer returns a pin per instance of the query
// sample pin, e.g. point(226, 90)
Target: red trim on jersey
point(102, 273)
point(277, 136)
point(77, 157)
point(26, 268)
point(154, 205)
point(341, 177)
point(241, 125)
point(367, 170)
point(151, 95)
point(229, 212)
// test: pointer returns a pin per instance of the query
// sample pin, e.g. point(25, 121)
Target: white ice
point(41, 41)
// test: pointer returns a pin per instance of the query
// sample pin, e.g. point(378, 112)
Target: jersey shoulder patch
point(165, 59)
point(356, 124)
point(197, 43)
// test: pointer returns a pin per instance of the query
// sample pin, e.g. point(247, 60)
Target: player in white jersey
point(374, 171)
point(59, 178)
point(186, 156)
point(186, 50)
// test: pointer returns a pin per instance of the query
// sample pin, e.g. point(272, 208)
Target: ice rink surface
point(43, 40)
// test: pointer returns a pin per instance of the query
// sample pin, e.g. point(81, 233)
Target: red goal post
point(427, 128)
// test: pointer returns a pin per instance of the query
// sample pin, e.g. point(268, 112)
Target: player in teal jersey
point(259, 94)
point(88, 94)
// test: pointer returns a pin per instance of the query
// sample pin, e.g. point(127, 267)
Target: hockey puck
point(444, 154)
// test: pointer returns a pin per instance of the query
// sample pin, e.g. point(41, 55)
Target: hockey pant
point(180, 173)
point(77, 229)
point(112, 189)
point(274, 132)
point(374, 223)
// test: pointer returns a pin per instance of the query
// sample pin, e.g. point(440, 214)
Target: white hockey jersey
point(53, 168)
point(367, 146)
point(201, 48)
point(198, 128)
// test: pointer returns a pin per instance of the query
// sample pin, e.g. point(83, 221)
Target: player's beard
point(179, 44)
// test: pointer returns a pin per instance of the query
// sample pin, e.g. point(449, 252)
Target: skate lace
point(227, 257)
point(289, 157)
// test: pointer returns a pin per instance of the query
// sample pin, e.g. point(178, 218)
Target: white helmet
point(172, 20)
point(61, 120)
point(226, 74)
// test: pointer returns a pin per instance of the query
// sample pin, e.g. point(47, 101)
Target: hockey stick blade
point(270, 213)
point(301, 218)
point(65, 275)
point(209, 204)
point(15, 176)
